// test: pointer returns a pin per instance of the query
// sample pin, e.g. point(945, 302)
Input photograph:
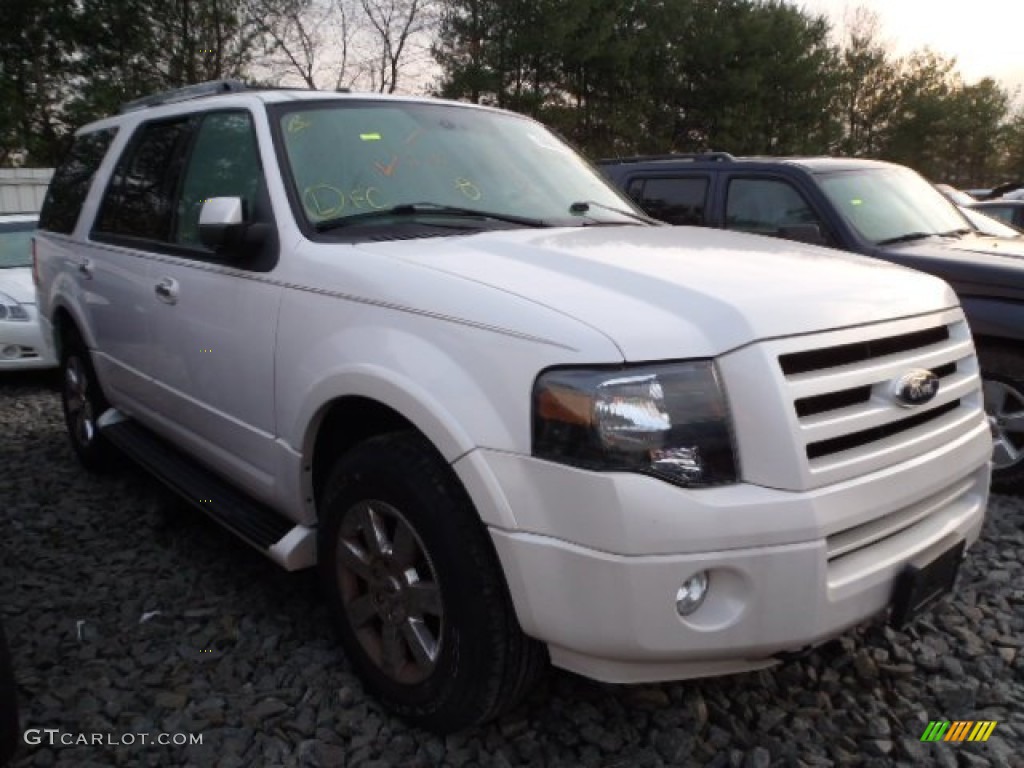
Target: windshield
point(890, 204)
point(351, 158)
point(16, 244)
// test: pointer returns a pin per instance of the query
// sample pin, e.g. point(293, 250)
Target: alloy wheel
point(81, 419)
point(390, 590)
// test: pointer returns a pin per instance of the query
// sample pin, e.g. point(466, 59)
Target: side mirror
point(804, 233)
point(221, 222)
point(223, 227)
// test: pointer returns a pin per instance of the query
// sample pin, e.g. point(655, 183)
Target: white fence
point(22, 189)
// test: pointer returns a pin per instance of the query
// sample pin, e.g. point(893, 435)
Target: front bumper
point(788, 570)
point(23, 345)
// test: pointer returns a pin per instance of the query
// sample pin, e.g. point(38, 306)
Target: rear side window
point(70, 183)
point(680, 200)
point(140, 200)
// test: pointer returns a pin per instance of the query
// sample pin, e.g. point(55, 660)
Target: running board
point(289, 545)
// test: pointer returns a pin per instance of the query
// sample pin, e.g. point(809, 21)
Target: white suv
point(424, 346)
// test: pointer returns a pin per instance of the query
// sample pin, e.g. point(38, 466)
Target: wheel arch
point(341, 424)
point(63, 322)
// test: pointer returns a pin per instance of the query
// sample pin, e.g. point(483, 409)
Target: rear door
point(115, 267)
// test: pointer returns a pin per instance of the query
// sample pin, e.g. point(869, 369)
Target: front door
point(216, 318)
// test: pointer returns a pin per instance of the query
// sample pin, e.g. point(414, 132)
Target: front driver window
point(224, 163)
point(767, 207)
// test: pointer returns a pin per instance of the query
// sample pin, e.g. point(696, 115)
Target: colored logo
point(958, 730)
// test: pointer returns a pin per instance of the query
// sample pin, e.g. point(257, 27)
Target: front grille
point(845, 354)
point(857, 439)
point(843, 399)
point(832, 401)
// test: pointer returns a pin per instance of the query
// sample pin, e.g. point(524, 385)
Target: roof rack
point(717, 156)
point(199, 90)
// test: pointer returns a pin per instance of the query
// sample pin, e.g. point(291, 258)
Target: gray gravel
point(239, 651)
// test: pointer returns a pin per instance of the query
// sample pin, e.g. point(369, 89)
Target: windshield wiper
point(958, 232)
point(426, 209)
point(906, 238)
point(582, 206)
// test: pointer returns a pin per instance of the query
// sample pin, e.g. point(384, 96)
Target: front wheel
point(415, 588)
point(1002, 373)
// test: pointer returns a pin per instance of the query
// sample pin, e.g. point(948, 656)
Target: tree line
point(615, 77)
point(745, 76)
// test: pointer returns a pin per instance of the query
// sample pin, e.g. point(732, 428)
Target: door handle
point(85, 268)
point(167, 290)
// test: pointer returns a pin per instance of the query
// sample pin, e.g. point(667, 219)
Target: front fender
point(463, 387)
point(994, 318)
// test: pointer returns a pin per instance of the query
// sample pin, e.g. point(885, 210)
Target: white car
point(988, 225)
point(426, 348)
point(22, 344)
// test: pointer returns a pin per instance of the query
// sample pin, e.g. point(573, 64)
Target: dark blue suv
point(873, 208)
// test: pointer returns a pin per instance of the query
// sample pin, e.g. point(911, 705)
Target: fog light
point(691, 595)
point(11, 351)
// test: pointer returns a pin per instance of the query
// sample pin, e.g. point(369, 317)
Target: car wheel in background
point(1002, 371)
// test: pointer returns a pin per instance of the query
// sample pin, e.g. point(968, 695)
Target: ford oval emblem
point(915, 387)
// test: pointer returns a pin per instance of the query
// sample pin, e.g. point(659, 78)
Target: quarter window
point(140, 199)
point(677, 200)
point(70, 183)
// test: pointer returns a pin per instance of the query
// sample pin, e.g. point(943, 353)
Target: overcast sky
point(985, 36)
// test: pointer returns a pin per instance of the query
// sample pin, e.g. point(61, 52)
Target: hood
point(16, 282)
point(670, 292)
point(969, 263)
point(990, 246)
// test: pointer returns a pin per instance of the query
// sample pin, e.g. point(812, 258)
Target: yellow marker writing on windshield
point(296, 123)
point(369, 136)
point(856, 201)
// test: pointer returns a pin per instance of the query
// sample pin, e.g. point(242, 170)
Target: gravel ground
point(128, 613)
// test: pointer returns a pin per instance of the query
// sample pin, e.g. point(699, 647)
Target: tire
point(8, 704)
point(83, 403)
point(448, 653)
point(1002, 373)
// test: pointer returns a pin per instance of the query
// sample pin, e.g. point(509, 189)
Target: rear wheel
point(416, 591)
point(83, 403)
point(1002, 372)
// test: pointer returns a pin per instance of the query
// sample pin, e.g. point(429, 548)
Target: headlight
point(670, 421)
point(11, 310)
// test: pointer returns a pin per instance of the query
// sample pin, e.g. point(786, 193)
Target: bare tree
point(308, 39)
point(398, 26)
